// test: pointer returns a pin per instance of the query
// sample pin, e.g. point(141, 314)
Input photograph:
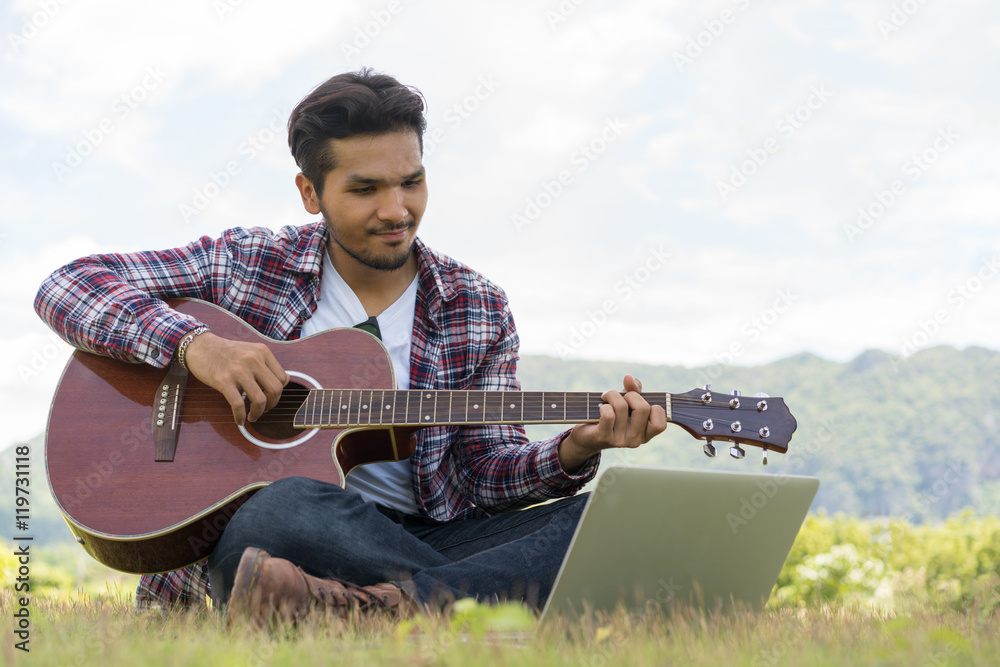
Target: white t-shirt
point(387, 483)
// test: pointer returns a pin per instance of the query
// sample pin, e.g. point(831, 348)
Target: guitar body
point(136, 514)
point(148, 466)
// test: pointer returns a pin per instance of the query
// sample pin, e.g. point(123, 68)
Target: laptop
point(673, 537)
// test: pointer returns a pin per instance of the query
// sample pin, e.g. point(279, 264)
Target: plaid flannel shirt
point(463, 338)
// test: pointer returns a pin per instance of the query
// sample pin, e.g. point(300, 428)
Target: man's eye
point(413, 183)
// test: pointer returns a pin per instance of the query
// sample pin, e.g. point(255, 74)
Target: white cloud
point(558, 85)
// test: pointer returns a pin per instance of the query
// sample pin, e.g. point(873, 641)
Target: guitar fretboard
point(341, 408)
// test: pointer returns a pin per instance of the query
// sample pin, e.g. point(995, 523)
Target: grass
point(932, 600)
point(105, 630)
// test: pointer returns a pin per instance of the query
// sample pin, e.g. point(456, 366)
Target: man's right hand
point(235, 368)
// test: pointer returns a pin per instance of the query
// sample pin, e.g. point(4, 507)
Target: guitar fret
point(410, 417)
point(316, 414)
point(481, 401)
point(492, 406)
point(451, 398)
point(306, 409)
point(533, 413)
point(306, 412)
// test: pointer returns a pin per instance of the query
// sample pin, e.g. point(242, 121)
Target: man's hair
point(349, 104)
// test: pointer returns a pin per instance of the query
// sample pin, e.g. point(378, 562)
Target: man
point(425, 530)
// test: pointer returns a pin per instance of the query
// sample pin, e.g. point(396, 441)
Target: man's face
point(373, 200)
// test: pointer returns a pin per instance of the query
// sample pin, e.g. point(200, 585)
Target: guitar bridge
point(167, 412)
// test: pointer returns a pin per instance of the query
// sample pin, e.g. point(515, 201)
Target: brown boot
point(269, 588)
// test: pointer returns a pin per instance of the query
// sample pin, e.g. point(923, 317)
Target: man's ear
point(310, 200)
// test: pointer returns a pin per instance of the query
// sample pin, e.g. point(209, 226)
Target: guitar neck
point(345, 408)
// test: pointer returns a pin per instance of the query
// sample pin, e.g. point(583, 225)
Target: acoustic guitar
point(148, 466)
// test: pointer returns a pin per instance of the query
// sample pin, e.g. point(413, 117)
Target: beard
point(391, 260)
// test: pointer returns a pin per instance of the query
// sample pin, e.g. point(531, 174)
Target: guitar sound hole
point(276, 423)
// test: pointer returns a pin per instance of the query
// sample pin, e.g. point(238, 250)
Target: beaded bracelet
point(183, 346)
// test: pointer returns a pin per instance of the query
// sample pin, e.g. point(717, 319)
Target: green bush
point(892, 564)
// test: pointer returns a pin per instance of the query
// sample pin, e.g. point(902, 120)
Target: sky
point(692, 183)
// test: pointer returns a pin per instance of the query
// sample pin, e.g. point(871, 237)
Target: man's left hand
point(627, 420)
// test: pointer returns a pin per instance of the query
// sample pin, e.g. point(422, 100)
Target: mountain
point(886, 436)
point(914, 437)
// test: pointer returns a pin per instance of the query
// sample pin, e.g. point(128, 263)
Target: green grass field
point(107, 632)
point(852, 592)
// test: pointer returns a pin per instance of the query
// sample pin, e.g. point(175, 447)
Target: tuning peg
point(765, 456)
point(734, 403)
point(737, 452)
point(709, 449)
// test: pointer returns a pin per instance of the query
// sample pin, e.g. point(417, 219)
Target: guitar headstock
point(762, 421)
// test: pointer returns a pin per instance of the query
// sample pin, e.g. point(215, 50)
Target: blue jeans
point(330, 532)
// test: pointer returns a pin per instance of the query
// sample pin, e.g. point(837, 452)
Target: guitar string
point(575, 402)
point(207, 394)
point(570, 396)
point(577, 405)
